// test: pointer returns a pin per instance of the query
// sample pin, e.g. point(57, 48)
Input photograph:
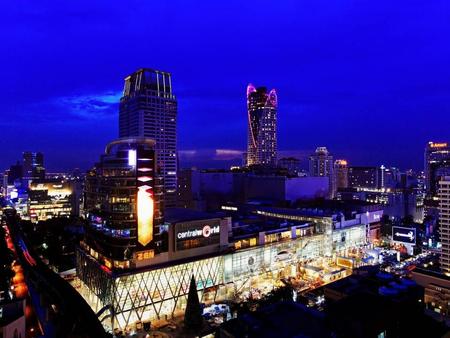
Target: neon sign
point(206, 231)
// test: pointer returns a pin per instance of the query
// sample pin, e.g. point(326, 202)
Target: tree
point(193, 319)
point(280, 294)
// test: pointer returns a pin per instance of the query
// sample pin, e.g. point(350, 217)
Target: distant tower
point(33, 166)
point(437, 164)
point(444, 222)
point(148, 108)
point(262, 126)
point(340, 174)
point(321, 165)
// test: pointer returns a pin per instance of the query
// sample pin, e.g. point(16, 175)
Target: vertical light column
point(145, 215)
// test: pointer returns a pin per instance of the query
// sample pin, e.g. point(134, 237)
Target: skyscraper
point(148, 108)
point(33, 166)
point(262, 126)
point(321, 165)
point(15, 173)
point(340, 174)
point(444, 221)
point(437, 164)
point(123, 204)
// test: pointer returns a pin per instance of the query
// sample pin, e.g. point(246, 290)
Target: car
point(283, 255)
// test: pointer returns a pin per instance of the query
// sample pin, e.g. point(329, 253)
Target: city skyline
point(331, 75)
point(225, 169)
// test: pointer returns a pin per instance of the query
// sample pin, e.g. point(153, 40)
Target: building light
point(145, 216)
point(132, 157)
point(438, 145)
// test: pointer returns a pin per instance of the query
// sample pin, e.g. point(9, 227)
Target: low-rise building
point(49, 199)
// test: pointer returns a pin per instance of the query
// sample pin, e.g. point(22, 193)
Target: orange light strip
point(145, 216)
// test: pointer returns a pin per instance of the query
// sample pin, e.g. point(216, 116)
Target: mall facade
point(137, 258)
point(221, 269)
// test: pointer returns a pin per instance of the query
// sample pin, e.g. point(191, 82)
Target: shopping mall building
point(136, 261)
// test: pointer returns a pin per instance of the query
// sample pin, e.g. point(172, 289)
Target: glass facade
point(123, 203)
point(262, 126)
point(148, 108)
point(159, 292)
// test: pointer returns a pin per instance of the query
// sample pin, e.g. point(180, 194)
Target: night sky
point(368, 79)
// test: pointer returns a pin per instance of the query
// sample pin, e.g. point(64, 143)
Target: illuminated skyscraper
point(340, 174)
point(437, 164)
point(123, 204)
point(33, 166)
point(444, 222)
point(262, 126)
point(321, 165)
point(148, 108)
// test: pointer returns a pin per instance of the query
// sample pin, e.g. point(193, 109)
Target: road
point(60, 309)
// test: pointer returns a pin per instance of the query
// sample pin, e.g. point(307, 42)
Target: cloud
point(228, 154)
point(90, 106)
point(210, 154)
point(78, 108)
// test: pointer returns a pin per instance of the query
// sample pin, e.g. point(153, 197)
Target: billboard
point(404, 235)
point(197, 234)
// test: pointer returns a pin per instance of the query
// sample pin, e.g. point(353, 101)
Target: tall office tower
point(123, 206)
point(437, 164)
point(321, 164)
point(388, 178)
point(444, 221)
point(340, 174)
point(33, 166)
point(148, 108)
point(262, 126)
point(15, 174)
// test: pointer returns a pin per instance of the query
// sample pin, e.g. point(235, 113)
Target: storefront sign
point(205, 232)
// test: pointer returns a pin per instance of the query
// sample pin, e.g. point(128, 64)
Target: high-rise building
point(363, 177)
point(15, 173)
point(123, 204)
point(444, 221)
point(262, 126)
point(321, 165)
point(33, 166)
point(437, 164)
point(148, 108)
point(340, 174)
point(388, 178)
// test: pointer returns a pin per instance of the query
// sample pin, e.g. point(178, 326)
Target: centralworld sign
point(205, 232)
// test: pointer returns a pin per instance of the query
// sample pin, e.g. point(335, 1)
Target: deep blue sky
point(368, 79)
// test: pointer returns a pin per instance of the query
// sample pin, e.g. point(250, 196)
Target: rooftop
point(177, 215)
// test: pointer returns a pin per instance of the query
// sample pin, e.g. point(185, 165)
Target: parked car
point(283, 255)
